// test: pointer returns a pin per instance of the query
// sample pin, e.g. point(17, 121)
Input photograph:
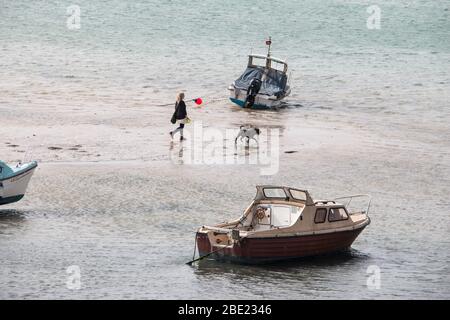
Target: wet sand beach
point(126, 209)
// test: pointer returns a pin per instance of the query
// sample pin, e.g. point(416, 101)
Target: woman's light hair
point(180, 96)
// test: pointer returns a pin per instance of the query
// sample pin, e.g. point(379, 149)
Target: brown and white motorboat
point(284, 223)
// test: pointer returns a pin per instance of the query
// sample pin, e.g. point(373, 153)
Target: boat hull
point(256, 106)
point(13, 189)
point(12, 199)
point(263, 250)
point(261, 101)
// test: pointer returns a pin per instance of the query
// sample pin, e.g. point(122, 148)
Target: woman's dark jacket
point(180, 110)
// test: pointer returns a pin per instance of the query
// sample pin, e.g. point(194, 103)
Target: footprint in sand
point(54, 148)
point(291, 151)
point(13, 145)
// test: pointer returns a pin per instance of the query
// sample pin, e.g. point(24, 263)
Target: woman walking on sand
point(179, 116)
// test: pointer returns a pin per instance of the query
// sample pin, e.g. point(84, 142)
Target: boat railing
point(351, 197)
point(217, 229)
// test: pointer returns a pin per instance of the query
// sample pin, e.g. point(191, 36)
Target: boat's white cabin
point(292, 210)
point(274, 208)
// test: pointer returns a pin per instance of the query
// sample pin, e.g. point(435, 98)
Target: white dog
point(247, 132)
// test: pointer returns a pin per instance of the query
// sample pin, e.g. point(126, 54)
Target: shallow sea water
point(369, 113)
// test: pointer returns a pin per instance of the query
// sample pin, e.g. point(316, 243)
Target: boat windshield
point(275, 193)
point(285, 194)
point(298, 194)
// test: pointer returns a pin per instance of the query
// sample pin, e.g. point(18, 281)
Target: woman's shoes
point(182, 138)
point(171, 134)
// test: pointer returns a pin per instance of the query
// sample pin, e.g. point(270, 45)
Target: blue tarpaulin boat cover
point(274, 83)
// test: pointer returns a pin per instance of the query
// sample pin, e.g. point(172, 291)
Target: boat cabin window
point(321, 215)
point(275, 193)
point(298, 194)
point(337, 214)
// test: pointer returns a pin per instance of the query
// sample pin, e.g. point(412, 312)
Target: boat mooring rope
point(206, 255)
point(195, 247)
point(188, 100)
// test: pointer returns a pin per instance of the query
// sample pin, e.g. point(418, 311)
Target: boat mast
point(268, 61)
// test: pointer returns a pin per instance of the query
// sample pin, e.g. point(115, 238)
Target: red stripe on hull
point(280, 248)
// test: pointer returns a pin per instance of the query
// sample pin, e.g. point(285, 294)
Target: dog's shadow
point(246, 149)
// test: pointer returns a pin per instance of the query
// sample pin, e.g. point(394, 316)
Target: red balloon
point(198, 101)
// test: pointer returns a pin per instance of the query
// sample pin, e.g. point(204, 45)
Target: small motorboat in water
point(14, 181)
point(283, 223)
point(263, 85)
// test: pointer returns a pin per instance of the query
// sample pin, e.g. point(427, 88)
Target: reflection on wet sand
point(10, 220)
point(12, 215)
